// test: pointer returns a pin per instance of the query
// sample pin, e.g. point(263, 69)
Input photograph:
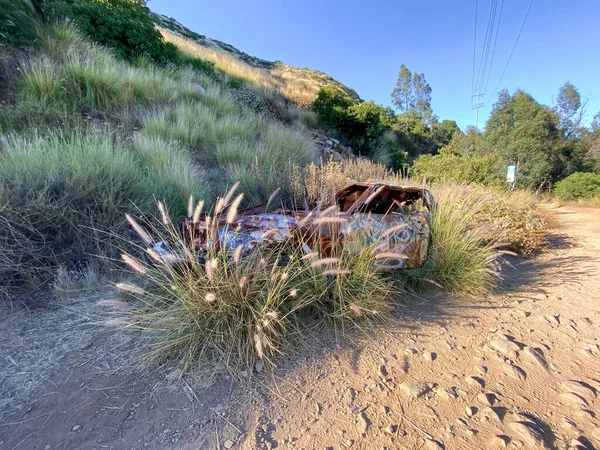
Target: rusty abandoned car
point(396, 218)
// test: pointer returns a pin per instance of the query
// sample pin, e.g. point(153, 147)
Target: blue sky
point(363, 44)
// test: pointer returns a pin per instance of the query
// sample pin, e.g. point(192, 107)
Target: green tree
point(413, 93)
point(595, 125)
point(402, 95)
point(443, 132)
point(414, 136)
point(469, 144)
point(569, 108)
point(591, 143)
point(522, 132)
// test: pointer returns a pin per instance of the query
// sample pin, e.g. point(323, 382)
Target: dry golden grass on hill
point(291, 83)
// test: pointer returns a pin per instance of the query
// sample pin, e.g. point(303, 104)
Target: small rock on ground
point(528, 432)
point(415, 389)
point(174, 375)
point(504, 346)
point(499, 441)
point(487, 399)
point(516, 372)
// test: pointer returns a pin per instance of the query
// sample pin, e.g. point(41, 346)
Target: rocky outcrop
point(259, 104)
point(330, 149)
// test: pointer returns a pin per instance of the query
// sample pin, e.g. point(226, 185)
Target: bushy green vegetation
point(18, 27)
point(466, 158)
point(578, 186)
point(374, 130)
point(361, 124)
point(171, 132)
point(546, 145)
point(448, 166)
point(125, 26)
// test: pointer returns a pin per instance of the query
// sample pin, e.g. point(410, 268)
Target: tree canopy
point(526, 134)
point(569, 108)
point(413, 93)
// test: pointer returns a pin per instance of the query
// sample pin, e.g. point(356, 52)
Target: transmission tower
point(476, 104)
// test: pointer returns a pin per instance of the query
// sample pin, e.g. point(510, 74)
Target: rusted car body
point(394, 218)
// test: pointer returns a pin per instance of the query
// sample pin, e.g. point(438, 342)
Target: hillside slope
point(279, 73)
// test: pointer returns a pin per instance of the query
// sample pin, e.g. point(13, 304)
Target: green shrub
point(201, 65)
point(126, 27)
point(18, 26)
point(123, 25)
point(580, 185)
point(361, 124)
point(447, 166)
point(461, 257)
point(331, 107)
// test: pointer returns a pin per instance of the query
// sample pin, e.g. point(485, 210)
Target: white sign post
point(511, 174)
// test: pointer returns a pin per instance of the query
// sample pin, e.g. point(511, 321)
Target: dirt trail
point(520, 369)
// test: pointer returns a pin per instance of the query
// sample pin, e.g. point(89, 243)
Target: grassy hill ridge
point(275, 68)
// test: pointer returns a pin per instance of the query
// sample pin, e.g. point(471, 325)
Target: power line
point(474, 47)
point(489, 43)
point(494, 48)
point(513, 49)
point(486, 44)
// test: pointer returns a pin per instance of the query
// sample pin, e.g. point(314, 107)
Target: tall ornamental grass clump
point(462, 258)
point(213, 304)
point(73, 72)
point(233, 144)
point(60, 192)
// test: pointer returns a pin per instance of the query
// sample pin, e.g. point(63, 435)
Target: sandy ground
point(520, 369)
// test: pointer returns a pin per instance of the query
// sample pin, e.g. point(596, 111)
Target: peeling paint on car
point(366, 213)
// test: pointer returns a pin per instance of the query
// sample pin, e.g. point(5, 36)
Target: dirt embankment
point(520, 369)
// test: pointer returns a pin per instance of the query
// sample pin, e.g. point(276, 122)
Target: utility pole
point(476, 105)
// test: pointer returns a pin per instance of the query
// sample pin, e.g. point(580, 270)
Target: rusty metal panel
point(409, 236)
point(378, 198)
